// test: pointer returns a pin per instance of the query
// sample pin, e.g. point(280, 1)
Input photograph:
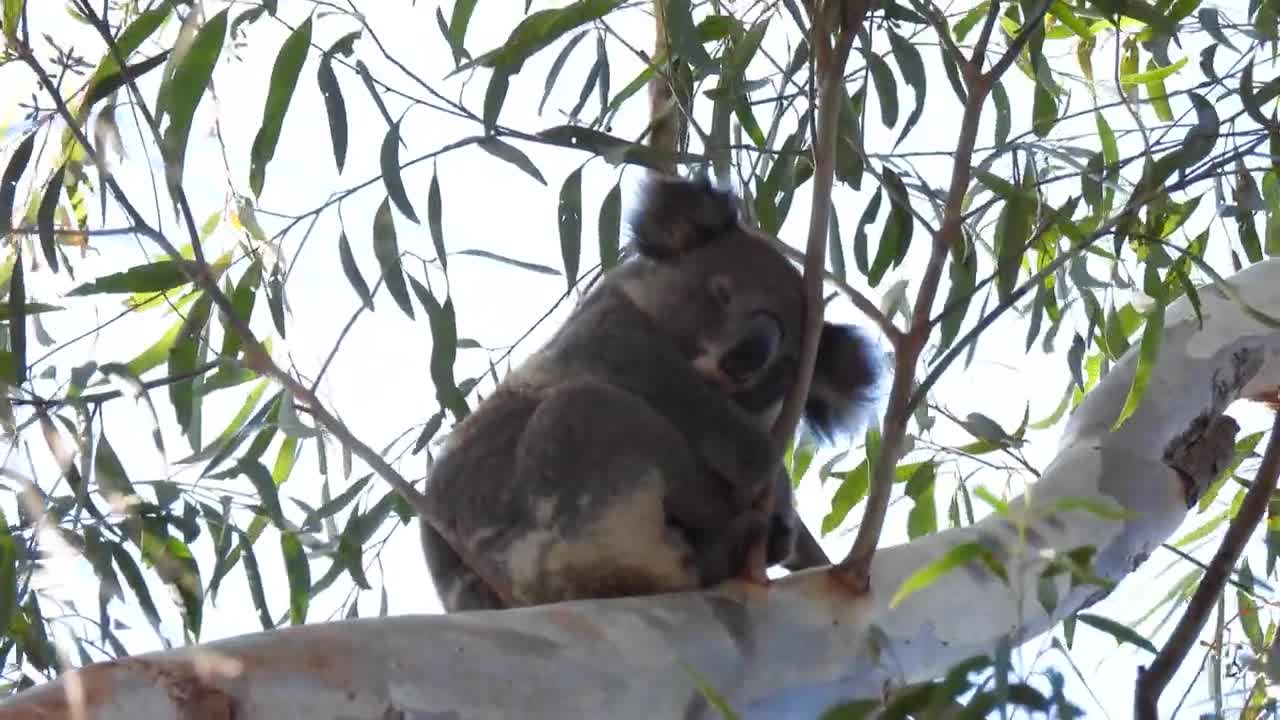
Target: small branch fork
point(1153, 678)
point(854, 570)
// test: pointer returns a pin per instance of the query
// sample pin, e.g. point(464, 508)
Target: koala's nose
point(755, 349)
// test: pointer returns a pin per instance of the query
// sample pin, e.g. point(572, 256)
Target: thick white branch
point(787, 651)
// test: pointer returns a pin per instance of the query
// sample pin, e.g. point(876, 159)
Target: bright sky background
point(378, 384)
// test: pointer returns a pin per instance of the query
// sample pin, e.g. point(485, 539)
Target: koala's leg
point(459, 588)
point(614, 490)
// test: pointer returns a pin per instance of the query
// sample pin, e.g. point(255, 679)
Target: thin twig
point(1153, 678)
point(830, 62)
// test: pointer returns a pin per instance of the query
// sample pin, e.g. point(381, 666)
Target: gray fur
point(627, 455)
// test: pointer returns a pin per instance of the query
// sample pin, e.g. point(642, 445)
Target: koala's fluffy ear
point(676, 215)
point(845, 382)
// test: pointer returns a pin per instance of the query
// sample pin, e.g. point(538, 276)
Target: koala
point(628, 454)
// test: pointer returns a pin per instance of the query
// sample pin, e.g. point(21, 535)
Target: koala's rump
point(573, 504)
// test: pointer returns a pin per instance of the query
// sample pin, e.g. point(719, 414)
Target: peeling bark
point(788, 650)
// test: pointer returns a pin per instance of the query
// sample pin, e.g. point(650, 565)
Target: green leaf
point(243, 298)
point(684, 35)
point(494, 96)
point(458, 22)
point(539, 30)
point(570, 221)
point(886, 88)
point(158, 276)
point(254, 578)
point(1004, 116)
point(352, 272)
point(284, 79)
point(17, 318)
point(8, 569)
point(116, 79)
point(869, 214)
point(134, 579)
point(895, 238)
point(1066, 16)
point(45, 220)
point(852, 490)
point(1121, 632)
point(9, 180)
point(183, 358)
point(12, 15)
point(955, 558)
point(444, 350)
point(557, 66)
point(335, 106)
point(523, 265)
point(390, 160)
point(610, 226)
point(435, 221)
point(6, 311)
point(513, 155)
point(182, 92)
point(1152, 74)
point(1152, 334)
point(923, 518)
point(709, 693)
point(911, 64)
point(387, 251)
point(299, 572)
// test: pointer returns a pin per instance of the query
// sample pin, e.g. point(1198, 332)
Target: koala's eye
point(721, 289)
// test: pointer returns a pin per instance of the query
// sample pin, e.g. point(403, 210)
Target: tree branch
point(830, 62)
point(1153, 678)
point(855, 568)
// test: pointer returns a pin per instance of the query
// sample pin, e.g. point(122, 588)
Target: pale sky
point(379, 385)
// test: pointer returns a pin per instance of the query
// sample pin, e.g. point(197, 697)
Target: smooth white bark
point(788, 651)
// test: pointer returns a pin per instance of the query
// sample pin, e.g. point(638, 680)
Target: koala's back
point(559, 478)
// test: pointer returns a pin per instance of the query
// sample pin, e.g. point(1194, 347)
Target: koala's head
point(735, 306)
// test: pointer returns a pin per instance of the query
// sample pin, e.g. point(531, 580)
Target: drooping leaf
point(495, 95)
point(298, 571)
point(1152, 334)
point(570, 222)
point(554, 73)
point(911, 64)
point(18, 318)
point(352, 271)
point(335, 106)
point(387, 251)
point(45, 220)
point(444, 350)
point(886, 88)
point(513, 155)
point(390, 161)
point(284, 79)
point(182, 92)
point(610, 227)
point(435, 220)
point(458, 23)
point(9, 180)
